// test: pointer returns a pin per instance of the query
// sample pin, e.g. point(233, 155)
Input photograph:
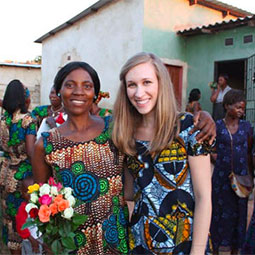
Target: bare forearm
point(201, 225)
point(214, 95)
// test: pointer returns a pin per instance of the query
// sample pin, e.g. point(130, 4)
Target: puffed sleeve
point(29, 124)
point(193, 147)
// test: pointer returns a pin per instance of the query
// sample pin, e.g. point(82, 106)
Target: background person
point(98, 111)
point(193, 105)
point(167, 169)
point(217, 97)
point(233, 153)
point(17, 136)
point(50, 112)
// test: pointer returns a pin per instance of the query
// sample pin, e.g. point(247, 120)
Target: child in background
point(31, 243)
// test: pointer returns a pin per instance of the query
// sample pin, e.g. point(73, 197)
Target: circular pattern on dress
point(115, 200)
point(111, 235)
point(123, 247)
point(122, 232)
point(77, 167)
point(122, 218)
point(80, 239)
point(116, 209)
point(86, 187)
point(49, 148)
point(67, 178)
point(104, 186)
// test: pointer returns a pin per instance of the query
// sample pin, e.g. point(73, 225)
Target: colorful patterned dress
point(94, 170)
point(40, 112)
point(229, 214)
point(14, 168)
point(164, 200)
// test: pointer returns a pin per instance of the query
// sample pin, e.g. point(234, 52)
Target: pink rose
point(44, 213)
point(59, 186)
point(52, 181)
point(45, 199)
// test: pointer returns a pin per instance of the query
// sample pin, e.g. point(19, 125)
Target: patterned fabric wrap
point(14, 167)
point(94, 170)
point(164, 201)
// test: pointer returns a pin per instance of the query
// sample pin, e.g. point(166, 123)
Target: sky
point(24, 21)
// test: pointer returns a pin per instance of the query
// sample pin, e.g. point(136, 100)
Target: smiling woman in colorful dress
point(80, 154)
point(168, 170)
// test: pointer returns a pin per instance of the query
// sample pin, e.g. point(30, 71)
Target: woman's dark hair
point(225, 76)
point(14, 97)
point(68, 68)
point(194, 95)
point(233, 96)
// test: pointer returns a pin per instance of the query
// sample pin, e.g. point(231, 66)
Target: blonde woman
point(167, 169)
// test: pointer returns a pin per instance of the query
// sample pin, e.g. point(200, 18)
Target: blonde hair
point(127, 118)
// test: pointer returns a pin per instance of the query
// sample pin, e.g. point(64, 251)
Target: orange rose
point(58, 198)
point(62, 205)
point(44, 213)
point(54, 209)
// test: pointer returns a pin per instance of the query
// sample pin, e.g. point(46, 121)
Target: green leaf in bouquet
point(61, 231)
point(56, 247)
point(68, 242)
point(71, 234)
point(29, 222)
point(79, 219)
point(54, 230)
point(65, 228)
point(49, 228)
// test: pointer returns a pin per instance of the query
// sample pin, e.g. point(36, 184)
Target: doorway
point(235, 69)
point(175, 73)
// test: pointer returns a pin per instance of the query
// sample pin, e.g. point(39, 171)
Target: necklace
point(54, 112)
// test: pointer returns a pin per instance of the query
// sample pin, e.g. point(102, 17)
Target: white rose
point(71, 200)
point(54, 191)
point(67, 192)
point(34, 197)
point(30, 206)
point(44, 189)
point(68, 213)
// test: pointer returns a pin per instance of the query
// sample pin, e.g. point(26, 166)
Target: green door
point(250, 90)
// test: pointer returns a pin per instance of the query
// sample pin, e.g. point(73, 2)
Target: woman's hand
point(51, 122)
point(204, 122)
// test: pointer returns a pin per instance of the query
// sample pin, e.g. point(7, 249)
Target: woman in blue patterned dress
point(17, 135)
point(229, 214)
point(168, 170)
point(81, 155)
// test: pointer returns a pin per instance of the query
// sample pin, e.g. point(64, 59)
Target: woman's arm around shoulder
point(41, 170)
point(201, 180)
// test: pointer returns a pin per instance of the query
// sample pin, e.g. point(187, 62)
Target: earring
point(95, 97)
point(58, 94)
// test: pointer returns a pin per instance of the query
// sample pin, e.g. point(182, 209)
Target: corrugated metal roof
point(218, 26)
point(13, 64)
point(95, 7)
point(233, 10)
point(92, 9)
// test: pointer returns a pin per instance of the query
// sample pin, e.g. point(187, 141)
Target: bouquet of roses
point(51, 210)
